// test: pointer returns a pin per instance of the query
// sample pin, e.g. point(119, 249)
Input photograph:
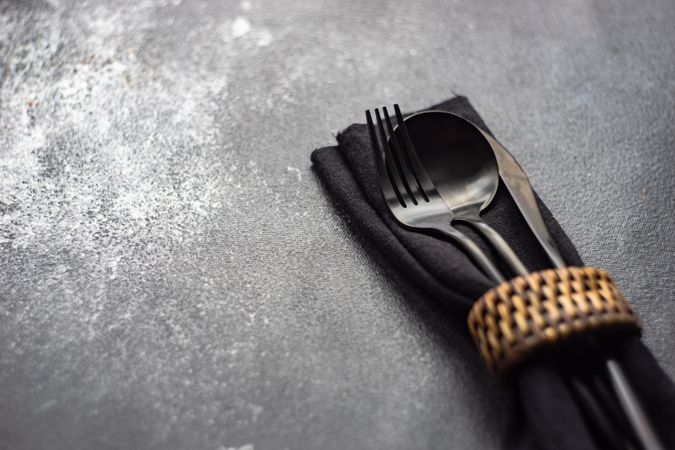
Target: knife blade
point(518, 184)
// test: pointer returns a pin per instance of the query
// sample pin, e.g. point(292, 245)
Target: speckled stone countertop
point(173, 274)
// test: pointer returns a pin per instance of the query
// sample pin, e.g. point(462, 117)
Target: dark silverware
point(467, 177)
point(461, 188)
point(412, 198)
point(518, 184)
point(471, 191)
point(520, 189)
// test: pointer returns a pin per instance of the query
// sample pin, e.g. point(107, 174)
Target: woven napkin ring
point(520, 317)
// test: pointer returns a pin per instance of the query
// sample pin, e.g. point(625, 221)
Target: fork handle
point(474, 252)
point(498, 242)
point(629, 401)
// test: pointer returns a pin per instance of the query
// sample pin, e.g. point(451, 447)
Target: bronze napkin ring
point(520, 317)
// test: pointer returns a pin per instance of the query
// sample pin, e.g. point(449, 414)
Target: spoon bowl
point(458, 159)
point(462, 166)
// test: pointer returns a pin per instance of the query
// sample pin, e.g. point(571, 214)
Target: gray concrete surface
point(173, 275)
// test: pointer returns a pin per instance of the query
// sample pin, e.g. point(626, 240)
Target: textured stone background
point(173, 275)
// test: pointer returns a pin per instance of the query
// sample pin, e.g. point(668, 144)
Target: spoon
point(467, 179)
point(464, 169)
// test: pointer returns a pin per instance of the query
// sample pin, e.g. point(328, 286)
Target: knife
point(516, 182)
point(519, 186)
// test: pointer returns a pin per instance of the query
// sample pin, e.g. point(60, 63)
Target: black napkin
point(542, 413)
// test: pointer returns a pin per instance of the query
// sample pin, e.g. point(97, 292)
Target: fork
point(413, 200)
point(412, 197)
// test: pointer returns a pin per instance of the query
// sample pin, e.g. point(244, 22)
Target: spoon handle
point(499, 244)
point(474, 252)
point(624, 391)
point(519, 187)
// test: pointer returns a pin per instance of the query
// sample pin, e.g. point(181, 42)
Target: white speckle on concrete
point(240, 26)
point(241, 36)
point(256, 411)
point(264, 38)
point(246, 5)
point(295, 171)
point(47, 405)
point(243, 447)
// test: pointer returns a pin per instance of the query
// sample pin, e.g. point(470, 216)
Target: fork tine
point(391, 163)
point(385, 182)
point(423, 180)
point(410, 183)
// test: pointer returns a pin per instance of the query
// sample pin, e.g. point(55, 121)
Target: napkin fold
point(542, 413)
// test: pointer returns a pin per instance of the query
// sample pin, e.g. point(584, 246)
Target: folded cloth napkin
point(541, 413)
